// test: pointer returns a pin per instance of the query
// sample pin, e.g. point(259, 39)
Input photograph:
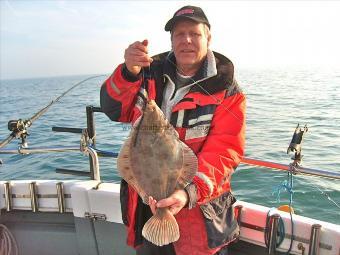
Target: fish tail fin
point(162, 228)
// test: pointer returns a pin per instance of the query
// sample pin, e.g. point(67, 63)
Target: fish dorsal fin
point(189, 167)
point(125, 171)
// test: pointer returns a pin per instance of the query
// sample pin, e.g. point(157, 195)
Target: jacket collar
point(207, 70)
point(216, 73)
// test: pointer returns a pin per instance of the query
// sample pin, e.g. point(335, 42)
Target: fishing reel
point(85, 142)
point(19, 129)
point(296, 143)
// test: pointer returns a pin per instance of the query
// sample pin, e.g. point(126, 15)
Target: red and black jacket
point(210, 119)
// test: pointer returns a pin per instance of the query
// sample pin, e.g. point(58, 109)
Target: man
point(196, 90)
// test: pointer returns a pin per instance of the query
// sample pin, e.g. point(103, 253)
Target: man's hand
point(136, 57)
point(175, 202)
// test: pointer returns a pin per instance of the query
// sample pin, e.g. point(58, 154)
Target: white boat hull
point(91, 222)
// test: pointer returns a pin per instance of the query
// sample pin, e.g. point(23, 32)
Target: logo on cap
point(185, 11)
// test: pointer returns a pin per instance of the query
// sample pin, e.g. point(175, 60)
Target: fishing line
point(145, 101)
point(326, 195)
point(42, 111)
point(195, 82)
point(201, 87)
point(20, 126)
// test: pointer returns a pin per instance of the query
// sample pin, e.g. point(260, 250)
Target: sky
point(54, 38)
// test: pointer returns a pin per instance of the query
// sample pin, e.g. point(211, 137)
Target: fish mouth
point(151, 105)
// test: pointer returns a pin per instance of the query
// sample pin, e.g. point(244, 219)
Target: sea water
point(277, 100)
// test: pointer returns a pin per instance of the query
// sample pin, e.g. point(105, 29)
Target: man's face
point(190, 44)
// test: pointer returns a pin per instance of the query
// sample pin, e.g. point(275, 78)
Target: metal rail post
point(8, 196)
point(92, 133)
point(34, 196)
point(273, 226)
point(61, 197)
point(314, 244)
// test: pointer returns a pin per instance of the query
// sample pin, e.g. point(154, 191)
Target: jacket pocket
point(221, 224)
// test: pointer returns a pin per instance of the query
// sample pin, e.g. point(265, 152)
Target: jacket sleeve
point(223, 149)
point(118, 95)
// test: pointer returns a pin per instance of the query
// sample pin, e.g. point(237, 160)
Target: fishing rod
point(19, 128)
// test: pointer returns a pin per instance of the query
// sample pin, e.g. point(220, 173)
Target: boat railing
point(88, 147)
point(296, 169)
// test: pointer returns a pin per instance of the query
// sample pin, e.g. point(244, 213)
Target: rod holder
point(273, 226)
point(61, 197)
point(314, 244)
point(34, 196)
point(94, 164)
point(8, 196)
point(92, 134)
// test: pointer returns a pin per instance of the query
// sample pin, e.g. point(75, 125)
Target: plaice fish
point(155, 162)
